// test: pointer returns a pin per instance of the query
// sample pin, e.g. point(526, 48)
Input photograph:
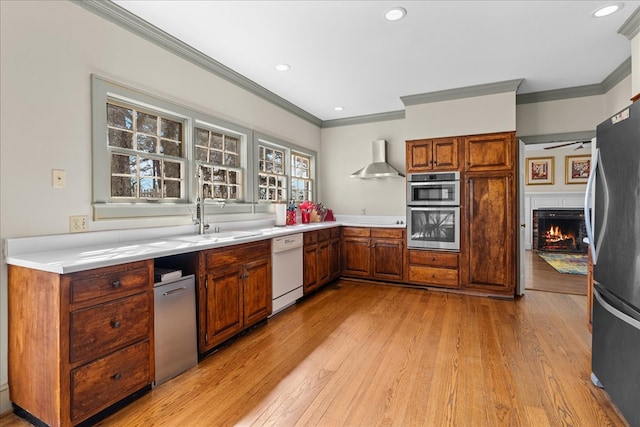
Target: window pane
point(206, 174)
point(219, 175)
point(170, 148)
point(150, 187)
point(122, 164)
point(233, 177)
point(150, 167)
point(147, 143)
point(201, 154)
point(172, 189)
point(231, 144)
point(119, 117)
point(231, 160)
point(219, 191)
point(202, 137)
point(171, 129)
point(147, 123)
point(216, 141)
point(122, 186)
point(171, 169)
point(216, 157)
point(120, 138)
point(233, 192)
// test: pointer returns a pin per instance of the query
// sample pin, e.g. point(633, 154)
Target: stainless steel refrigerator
point(614, 231)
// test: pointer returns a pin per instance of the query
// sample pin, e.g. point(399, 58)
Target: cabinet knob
point(433, 258)
point(433, 276)
point(115, 324)
point(115, 284)
point(117, 376)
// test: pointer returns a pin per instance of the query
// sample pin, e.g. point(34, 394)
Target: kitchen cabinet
point(439, 154)
point(335, 253)
point(490, 152)
point(319, 254)
point(488, 234)
point(234, 291)
point(433, 268)
point(373, 253)
point(79, 342)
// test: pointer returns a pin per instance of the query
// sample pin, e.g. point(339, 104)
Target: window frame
point(263, 206)
point(102, 91)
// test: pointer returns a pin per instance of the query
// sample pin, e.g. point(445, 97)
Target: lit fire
point(554, 235)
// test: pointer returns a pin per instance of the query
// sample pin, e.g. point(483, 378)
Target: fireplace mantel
point(548, 200)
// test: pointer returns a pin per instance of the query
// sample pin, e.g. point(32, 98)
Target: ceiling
point(344, 53)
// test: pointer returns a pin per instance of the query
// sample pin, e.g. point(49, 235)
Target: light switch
point(58, 179)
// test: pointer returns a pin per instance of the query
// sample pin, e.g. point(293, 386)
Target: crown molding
point(631, 26)
point(463, 92)
point(130, 22)
point(358, 120)
point(586, 135)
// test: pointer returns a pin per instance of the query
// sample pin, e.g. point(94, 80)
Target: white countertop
point(70, 253)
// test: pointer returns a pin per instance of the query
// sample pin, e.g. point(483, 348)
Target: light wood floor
point(542, 277)
point(359, 354)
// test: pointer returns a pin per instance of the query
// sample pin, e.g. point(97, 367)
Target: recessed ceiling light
point(338, 108)
point(607, 10)
point(283, 67)
point(395, 14)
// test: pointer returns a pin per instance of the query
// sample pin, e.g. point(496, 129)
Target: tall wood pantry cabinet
point(488, 233)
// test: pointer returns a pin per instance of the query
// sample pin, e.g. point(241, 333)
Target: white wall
point(468, 116)
point(346, 149)
point(559, 156)
point(635, 65)
point(618, 97)
point(48, 51)
point(566, 115)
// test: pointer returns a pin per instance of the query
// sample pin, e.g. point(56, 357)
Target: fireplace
point(559, 230)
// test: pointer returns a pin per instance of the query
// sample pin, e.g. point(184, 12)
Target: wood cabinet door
point(310, 267)
point(419, 155)
point(257, 291)
point(387, 259)
point(223, 305)
point(356, 257)
point(491, 242)
point(445, 154)
point(492, 152)
point(323, 263)
point(334, 258)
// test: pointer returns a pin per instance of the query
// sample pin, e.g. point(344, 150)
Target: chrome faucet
point(199, 221)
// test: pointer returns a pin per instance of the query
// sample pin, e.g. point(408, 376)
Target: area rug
point(566, 263)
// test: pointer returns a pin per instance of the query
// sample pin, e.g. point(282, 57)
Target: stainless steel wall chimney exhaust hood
point(378, 168)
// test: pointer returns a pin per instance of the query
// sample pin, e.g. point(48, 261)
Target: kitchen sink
point(222, 236)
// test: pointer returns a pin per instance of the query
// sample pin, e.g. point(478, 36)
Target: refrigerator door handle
point(620, 315)
point(587, 205)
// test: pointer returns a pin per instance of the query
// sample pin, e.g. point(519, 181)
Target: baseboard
point(5, 403)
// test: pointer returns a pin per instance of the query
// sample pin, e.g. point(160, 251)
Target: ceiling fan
point(582, 144)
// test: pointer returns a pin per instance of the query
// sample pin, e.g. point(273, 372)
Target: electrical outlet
point(58, 178)
point(78, 223)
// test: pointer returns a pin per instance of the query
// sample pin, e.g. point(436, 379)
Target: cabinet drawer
point(111, 281)
point(104, 382)
point(387, 233)
point(242, 253)
point(324, 235)
point(436, 259)
point(310, 238)
point(356, 231)
point(433, 276)
point(103, 328)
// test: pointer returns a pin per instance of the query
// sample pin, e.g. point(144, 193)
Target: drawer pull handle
point(117, 376)
point(115, 325)
point(116, 284)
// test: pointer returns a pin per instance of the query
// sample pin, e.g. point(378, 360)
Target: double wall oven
point(433, 210)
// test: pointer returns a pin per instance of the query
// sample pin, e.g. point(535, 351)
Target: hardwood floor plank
point(360, 354)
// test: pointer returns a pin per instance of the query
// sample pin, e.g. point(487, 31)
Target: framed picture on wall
point(577, 169)
point(539, 170)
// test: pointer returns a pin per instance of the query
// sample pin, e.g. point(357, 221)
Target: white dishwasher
point(286, 270)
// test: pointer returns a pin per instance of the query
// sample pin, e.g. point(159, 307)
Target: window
point(146, 154)
point(272, 180)
point(301, 182)
point(219, 155)
point(285, 171)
